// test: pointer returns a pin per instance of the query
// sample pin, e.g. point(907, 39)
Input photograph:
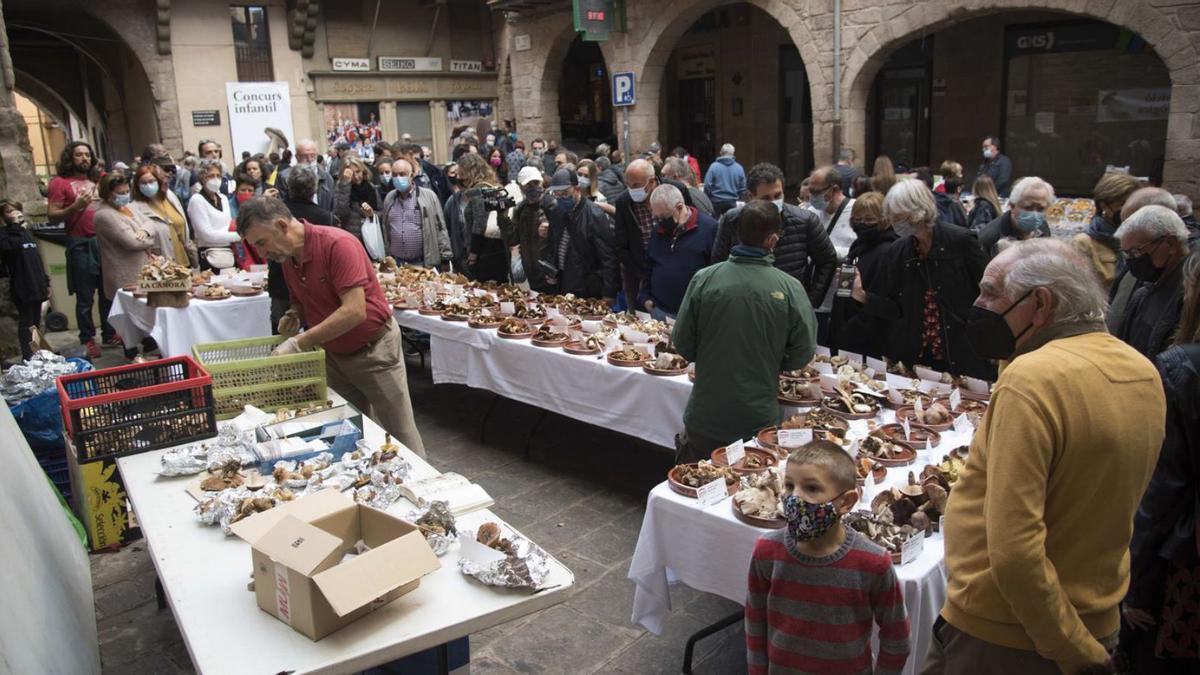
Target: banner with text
point(253, 108)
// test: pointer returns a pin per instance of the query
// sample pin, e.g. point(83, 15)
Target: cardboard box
point(297, 551)
point(98, 496)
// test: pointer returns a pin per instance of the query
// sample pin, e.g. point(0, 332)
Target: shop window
point(251, 43)
point(414, 119)
point(1083, 96)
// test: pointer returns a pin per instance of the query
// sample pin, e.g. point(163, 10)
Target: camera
point(496, 199)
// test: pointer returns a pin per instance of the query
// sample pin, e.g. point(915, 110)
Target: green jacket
point(742, 322)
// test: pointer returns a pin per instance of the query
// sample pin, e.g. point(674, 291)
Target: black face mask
point(534, 194)
point(1142, 268)
point(988, 333)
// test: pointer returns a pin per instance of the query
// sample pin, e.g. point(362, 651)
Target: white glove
point(289, 323)
point(289, 346)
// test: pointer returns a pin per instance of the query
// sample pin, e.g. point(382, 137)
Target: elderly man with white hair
point(1026, 217)
point(931, 277)
point(1074, 409)
point(1125, 283)
point(1155, 243)
point(306, 159)
point(633, 223)
point(680, 245)
point(725, 181)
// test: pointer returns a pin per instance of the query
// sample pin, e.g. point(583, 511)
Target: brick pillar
point(16, 156)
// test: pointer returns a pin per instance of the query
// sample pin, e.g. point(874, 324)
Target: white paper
point(712, 492)
point(927, 373)
point(822, 351)
point(552, 313)
point(642, 316)
point(918, 409)
point(735, 452)
point(912, 548)
point(477, 552)
point(591, 326)
point(955, 400)
point(907, 429)
point(829, 381)
point(259, 268)
point(962, 425)
point(879, 366)
point(899, 381)
point(823, 367)
point(939, 388)
point(508, 308)
point(851, 356)
point(793, 438)
point(977, 386)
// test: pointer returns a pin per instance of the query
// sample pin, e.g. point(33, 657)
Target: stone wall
point(871, 30)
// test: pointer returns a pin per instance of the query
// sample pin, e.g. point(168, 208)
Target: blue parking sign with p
point(622, 89)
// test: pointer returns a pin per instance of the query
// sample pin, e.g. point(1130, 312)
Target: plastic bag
point(372, 237)
point(40, 417)
point(517, 269)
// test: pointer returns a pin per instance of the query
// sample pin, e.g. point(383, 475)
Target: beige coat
point(122, 253)
point(166, 239)
point(1103, 258)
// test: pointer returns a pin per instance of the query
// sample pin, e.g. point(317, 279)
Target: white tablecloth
point(204, 574)
point(710, 549)
point(586, 388)
point(177, 329)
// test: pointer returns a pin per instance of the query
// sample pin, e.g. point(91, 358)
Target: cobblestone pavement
point(580, 493)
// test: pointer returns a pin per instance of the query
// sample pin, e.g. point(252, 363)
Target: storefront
point(433, 109)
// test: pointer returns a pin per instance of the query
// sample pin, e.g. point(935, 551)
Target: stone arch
point(902, 23)
point(536, 73)
point(645, 52)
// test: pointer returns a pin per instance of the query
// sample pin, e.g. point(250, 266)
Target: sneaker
point(113, 341)
point(93, 350)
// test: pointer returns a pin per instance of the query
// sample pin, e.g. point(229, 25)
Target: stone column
point(441, 131)
point(17, 178)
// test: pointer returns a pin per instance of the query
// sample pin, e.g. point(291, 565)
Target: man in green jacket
point(742, 321)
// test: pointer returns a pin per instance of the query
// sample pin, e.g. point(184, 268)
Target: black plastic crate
point(135, 408)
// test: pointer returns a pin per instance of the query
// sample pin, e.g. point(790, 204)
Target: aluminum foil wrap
point(379, 498)
point(185, 461)
point(439, 544)
point(528, 568)
point(217, 508)
point(34, 376)
point(436, 516)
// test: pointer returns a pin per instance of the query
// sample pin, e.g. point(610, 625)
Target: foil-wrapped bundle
point(376, 497)
point(437, 525)
point(215, 509)
point(28, 379)
point(527, 567)
point(185, 461)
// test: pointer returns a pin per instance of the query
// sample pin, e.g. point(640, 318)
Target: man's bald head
point(1145, 197)
point(306, 151)
point(639, 170)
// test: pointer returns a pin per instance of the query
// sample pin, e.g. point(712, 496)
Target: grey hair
point(846, 154)
point(727, 150)
point(1021, 187)
point(603, 149)
point(666, 196)
point(678, 169)
point(603, 162)
point(205, 164)
point(306, 141)
point(301, 184)
point(910, 198)
point(1153, 222)
point(260, 211)
point(1184, 203)
point(1056, 266)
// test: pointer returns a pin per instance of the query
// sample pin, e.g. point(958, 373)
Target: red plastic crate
point(139, 407)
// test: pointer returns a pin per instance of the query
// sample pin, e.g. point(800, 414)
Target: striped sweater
point(814, 615)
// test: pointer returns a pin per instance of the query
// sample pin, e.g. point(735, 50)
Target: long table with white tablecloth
point(177, 329)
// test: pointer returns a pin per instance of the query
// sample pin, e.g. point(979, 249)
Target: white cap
point(527, 175)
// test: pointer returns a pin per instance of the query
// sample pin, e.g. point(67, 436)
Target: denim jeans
point(87, 286)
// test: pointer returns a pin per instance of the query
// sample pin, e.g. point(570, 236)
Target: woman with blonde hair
point(883, 177)
point(857, 330)
point(987, 203)
point(355, 198)
point(587, 172)
point(1098, 243)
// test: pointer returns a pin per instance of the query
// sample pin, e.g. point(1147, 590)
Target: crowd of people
point(1091, 340)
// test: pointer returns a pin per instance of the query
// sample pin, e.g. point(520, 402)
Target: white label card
point(735, 452)
point(977, 386)
point(912, 548)
point(918, 408)
point(828, 381)
point(507, 308)
point(907, 429)
point(899, 382)
point(823, 367)
point(927, 373)
point(794, 438)
point(822, 351)
point(642, 316)
point(851, 356)
point(955, 400)
point(876, 364)
point(552, 312)
point(712, 492)
point(962, 425)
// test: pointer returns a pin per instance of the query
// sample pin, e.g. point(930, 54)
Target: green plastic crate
point(244, 373)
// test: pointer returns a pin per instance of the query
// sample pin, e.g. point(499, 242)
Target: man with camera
point(578, 256)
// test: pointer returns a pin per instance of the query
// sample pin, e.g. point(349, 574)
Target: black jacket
point(859, 331)
point(628, 234)
point(1152, 313)
point(1000, 170)
point(804, 250)
point(1001, 228)
point(28, 283)
point(611, 185)
point(1164, 528)
point(437, 181)
point(325, 187)
point(347, 206)
point(953, 269)
point(457, 229)
point(949, 209)
point(590, 269)
point(533, 248)
point(982, 213)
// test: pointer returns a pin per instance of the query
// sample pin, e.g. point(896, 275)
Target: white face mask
point(385, 176)
point(989, 153)
point(213, 185)
point(904, 228)
point(637, 194)
point(778, 204)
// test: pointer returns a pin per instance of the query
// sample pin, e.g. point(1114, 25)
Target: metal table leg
point(705, 632)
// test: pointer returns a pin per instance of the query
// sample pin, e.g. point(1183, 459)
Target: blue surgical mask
point(149, 190)
point(1030, 221)
point(401, 183)
point(584, 182)
point(121, 201)
point(818, 202)
point(637, 194)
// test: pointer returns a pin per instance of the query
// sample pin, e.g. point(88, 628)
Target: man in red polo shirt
point(335, 292)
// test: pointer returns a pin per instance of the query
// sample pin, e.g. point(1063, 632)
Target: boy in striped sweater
point(816, 587)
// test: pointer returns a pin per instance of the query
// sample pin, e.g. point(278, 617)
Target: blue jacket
point(669, 268)
point(725, 180)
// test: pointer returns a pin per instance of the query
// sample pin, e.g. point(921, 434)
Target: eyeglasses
point(1139, 251)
